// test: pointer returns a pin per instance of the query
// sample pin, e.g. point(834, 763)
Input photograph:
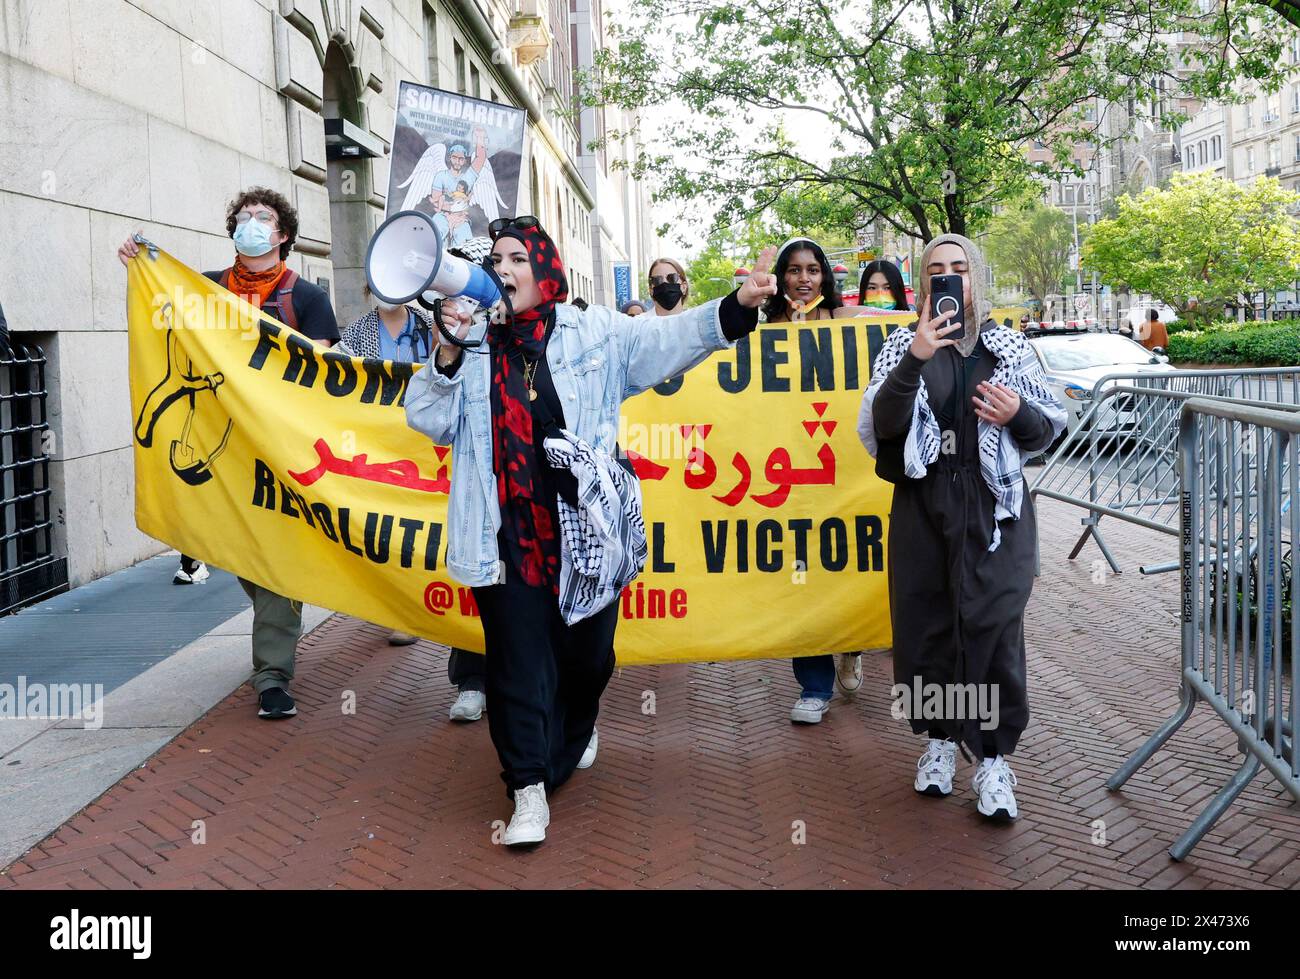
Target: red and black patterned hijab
point(526, 522)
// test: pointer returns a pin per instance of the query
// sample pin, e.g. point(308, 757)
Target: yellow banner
point(292, 466)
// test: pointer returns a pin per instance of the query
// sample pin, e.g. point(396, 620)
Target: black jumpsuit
point(958, 608)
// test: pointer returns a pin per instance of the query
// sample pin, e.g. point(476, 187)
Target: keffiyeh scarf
point(1001, 459)
point(603, 538)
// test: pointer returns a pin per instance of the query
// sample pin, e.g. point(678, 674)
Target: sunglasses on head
point(522, 223)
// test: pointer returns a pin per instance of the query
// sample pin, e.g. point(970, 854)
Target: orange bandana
point(254, 284)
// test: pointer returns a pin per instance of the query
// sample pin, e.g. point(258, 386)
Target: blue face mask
point(253, 238)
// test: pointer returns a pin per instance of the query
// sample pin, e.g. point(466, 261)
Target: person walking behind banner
point(405, 334)
point(881, 291)
point(633, 307)
point(264, 226)
point(951, 422)
point(808, 292)
point(547, 365)
point(669, 287)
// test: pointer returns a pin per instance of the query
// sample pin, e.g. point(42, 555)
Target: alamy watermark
point(946, 702)
point(23, 701)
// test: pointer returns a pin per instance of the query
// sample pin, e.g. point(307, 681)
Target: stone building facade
point(118, 115)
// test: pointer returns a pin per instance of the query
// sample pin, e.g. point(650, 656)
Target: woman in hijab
point(544, 361)
point(950, 422)
point(808, 291)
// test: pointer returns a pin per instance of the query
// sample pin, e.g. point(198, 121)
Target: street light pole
point(1074, 220)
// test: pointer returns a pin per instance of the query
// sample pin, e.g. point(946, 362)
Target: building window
point(1297, 147)
point(431, 42)
point(1191, 157)
point(1201, 152)
point(495, 97)
point(1274, 154)
point(459, 53)
point(1250, 159)
point(476, 88)
point(1218, 148)
point(1246, 116)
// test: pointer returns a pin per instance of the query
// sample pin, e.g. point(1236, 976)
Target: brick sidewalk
point(710, 790)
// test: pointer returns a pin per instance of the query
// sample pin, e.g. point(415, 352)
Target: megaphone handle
point(442, 327)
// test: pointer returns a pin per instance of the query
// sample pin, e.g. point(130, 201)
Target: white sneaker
point(589, 756)
point(469, 705)
point(532, 816)
point(848, 672)
point(195, 577)
point(994, 781)
point(935, 769)
point(809, 710)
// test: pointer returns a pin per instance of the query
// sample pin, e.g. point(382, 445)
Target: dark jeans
point(816, 675)
point(466, 670)
point(544, 681)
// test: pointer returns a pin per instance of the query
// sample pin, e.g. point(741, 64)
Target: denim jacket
point(598, 359)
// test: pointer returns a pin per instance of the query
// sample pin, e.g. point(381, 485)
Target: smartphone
point(948, 295)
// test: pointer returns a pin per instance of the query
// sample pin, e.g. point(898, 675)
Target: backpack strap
point(282, 300)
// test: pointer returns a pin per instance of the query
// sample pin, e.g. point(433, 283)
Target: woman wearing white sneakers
point(546, 364)
point(950, 422)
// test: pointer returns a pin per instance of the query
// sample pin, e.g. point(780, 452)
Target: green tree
point(920, 111)
point(1204, 238)
point(1031, 246)
point(710, 273)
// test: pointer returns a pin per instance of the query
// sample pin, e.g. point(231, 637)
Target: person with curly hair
point(264, 225)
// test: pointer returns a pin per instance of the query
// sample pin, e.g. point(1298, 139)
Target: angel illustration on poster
point(455, 158)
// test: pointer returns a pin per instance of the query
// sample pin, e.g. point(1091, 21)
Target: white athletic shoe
point(589, 756)
point(935, 769)
point(195, 577)
point(809, 710)
point(994, 781)
point(848, 672)
point(532, 816)
point(469, 705)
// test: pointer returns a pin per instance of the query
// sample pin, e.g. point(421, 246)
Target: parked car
point(1074, 361)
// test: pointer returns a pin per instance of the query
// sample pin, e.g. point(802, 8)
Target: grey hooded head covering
point(980, 303)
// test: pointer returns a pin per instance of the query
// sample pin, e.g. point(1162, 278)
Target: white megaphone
point(407, 260)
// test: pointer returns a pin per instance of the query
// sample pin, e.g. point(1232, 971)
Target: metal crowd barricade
point(29, 568)
point(1121, 461)
point(1237, 527)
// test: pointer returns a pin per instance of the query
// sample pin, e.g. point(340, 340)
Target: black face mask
point(667, 294)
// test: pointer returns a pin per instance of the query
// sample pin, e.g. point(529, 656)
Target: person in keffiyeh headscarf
point(547, 365)
point(951, 422)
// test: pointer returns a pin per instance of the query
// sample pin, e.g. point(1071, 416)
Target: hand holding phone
point(948, 296)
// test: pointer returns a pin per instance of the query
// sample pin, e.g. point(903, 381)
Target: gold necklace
point(530, 370)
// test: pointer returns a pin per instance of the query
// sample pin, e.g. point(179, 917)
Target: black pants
point(544, 681)
point(466, 670)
